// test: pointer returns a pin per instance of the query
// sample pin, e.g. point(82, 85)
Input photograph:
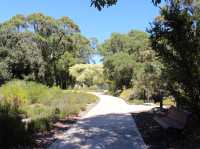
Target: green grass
point(136, 101)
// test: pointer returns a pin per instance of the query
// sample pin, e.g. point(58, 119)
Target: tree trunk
point(161, 105)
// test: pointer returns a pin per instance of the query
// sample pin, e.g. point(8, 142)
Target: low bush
point(36, 92)
point(136, 101)
point(14, 93)
point(132, 93)
point(41, 104)
point(74, 102)
point(127, 94)
point(169, 101)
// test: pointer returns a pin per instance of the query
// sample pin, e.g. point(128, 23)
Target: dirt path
point(106, 126)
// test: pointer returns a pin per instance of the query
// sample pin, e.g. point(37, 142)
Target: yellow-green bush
point(36, 92)
point(73, 103)
point(29, 92)
point(169, 101)
point(37, 111)
point(136, 101)
point(41, 117)
point(127, 94)
point(131, 96)
point(43, 104)
point(14, 93)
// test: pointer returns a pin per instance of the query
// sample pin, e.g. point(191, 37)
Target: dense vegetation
point(44, 52)
point(175, 36)
point(37, 103)
point(39, 51)
point(130, 62)
point(88, 75)
point(164, 62)
point(40, 48)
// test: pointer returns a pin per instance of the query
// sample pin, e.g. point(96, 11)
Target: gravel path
point(106, 126)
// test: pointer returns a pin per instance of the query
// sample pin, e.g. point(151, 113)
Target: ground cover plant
point(39, 103)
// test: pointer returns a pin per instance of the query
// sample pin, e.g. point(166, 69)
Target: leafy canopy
point(40, 48)
point(175, 37)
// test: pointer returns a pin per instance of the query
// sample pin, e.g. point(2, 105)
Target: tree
point(34, 47)
point(99, 4)
point(135, 42)
point(82, 48)
point(175, 37)
point(115, 44)
point(87, 74)
point(63, 78)
point(119, 70)
point(129, 61)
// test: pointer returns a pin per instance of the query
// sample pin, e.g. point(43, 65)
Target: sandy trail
point(108, 125)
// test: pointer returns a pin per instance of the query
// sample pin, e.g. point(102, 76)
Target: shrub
point(36, 92)
point(169, 101)
point(41, 117)
point(73, 103)
point(14, 93)
point(132, 96)
point(13, 133)
point(29, 92)
point(44, 105)
point(132, 93)
point(136, 101)
point(127, 94)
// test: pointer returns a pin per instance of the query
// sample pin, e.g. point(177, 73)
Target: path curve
point(106, 126)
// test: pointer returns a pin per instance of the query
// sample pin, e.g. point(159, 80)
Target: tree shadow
point(110, 131)
point(12, 130)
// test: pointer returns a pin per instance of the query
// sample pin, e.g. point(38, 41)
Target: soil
point(158, 138)
point(45, 139)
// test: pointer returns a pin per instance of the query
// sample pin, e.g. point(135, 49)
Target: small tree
point(87, 74)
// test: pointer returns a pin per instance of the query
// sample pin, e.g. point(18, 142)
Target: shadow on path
point(110, 131)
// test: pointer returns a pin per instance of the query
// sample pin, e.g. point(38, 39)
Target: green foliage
point(42, 104)
point(169, 101)
point(127, 94)
point(129, 62)
point(41, 115)
point(132, 93)
point(63, 78)
point(119, 69)
point(36, 92)
point(40, 48)
point(88, 74)
point(13, 93)
point(136, 101)
point(175, 38)
point(100, 4)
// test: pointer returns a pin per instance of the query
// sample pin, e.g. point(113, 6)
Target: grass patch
point(136, 101)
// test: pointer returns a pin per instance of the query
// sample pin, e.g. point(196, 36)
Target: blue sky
point(126, 15)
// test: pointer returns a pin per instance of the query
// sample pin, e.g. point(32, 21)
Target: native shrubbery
point(38, 104)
